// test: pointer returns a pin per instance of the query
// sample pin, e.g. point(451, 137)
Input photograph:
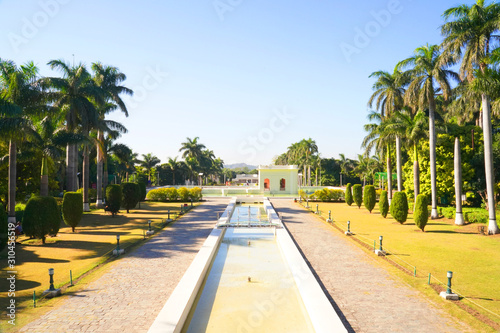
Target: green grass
point(90, 245)
point(473, 258)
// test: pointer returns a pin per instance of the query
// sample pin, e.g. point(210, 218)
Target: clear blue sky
point(248, 77)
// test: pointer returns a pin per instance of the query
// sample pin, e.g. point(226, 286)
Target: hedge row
point(173, 194)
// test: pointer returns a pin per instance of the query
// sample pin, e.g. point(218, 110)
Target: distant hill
point(240, 166)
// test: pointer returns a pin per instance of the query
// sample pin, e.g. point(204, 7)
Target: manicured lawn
point(79, 252)
point(473, 258)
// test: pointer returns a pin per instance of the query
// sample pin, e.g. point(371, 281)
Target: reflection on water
point(249, 288)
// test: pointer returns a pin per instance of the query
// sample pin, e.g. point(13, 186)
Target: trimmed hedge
point(4, 228)
point(327, 194)
point(72, 209)
point(113, 199)
point(183, 194)
point(172, 194)
point(421, 213)
point(41, 218)
point(131, 193)
point(143, 191)
point(92, 194)
point(399, 207)
point(383, 204)
point(369, 197)
point(348, 194)
point(195, 194)
point(357, 194)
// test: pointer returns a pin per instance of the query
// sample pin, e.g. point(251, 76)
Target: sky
point(249, 78)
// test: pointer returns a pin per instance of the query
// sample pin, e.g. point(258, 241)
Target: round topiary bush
point(421, 212)
point(357, 194)
point(369, 198)
point(399, 207)
point(131, 195)
point(183, 194)
point(195, 194)
point(348, 194)
point(72, 209)
point(113, 199)
point(383, 204)
point(41, 218)
point(4, 227)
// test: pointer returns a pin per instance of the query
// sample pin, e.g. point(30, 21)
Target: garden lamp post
point(118, 244)
point(348, 226)
point(449, 274)
point(51, 279)
point(149, 222)
point(380, 239)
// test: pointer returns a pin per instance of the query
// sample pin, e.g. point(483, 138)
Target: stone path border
point(368, 297)
point(129, 296)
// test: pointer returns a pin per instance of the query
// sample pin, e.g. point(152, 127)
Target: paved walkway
point(130, 295)
point(368, 297)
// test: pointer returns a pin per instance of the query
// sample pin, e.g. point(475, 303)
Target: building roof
point(278, 167)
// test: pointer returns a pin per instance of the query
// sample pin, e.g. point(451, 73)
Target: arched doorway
point(267, 185)
point(282, 184)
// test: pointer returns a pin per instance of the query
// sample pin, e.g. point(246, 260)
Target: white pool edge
point(174, 313)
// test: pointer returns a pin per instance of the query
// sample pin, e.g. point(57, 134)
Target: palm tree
point(21, 96)
point(469, 33)
point(192, 148)
point(428, 68)
point(173, 165)
point(388, 98)
point(74, 94)
point(345, 165)
point(109, 79)
point(412, 129)
point(362, 169)
point(149, 161)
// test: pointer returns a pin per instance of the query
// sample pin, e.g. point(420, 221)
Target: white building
point(278, 179)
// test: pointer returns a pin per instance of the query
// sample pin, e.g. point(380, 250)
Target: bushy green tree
point(113, 199)
point(357, 194)
point(369, 198)
point(4, 228)
point(399, 207)
point(421, 213)
point(348, 194)
point(183, 194)
point(142, 188)
point(383, 204)
point(72, 209)
point(131, 195)
point(41, 218)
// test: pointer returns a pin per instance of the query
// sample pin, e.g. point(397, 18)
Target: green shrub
point(113, 199)
point(41, 218)
point(163, 194)
point(399, 207)
point(476, 216)
point(172, 193)
point(4, 228)
point(131, 195)
point(20, 207)
point(302, 194)
point(195, 194)
point(348, 194)
point(142, 188)
point(72, 209)
point(421, 213)
point(183, 194)
point(369, 197)
point(92, 194)
point(383, 204)
point(357, 194)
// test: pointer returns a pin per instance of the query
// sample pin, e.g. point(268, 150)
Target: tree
point(399, 207)
point(369, 198)
point(149, 161)
point(345, 165)
point(131, 195)
point(348, 194)
point(72, 209)
point(41, 218)
point(173, 165)
point(383, 204)
point(192, 148)
point(428, 68)
point(357, 193)
point(113, 199)
point(421, 214)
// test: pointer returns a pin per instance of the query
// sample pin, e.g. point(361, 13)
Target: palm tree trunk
point(44, 178)
point(459, 217)
point(100, 138)
point(11, 211)
point(76, 180)
point(398, 163)
point(432, 155)
point(105, 178)
point(389, 174)
point(85, 179)
point(488, 165)
point(308, 175)
point(416, 174)
point(70, 168)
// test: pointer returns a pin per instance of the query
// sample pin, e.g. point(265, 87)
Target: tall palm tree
point(469, 34)
point(149, 161)
point(109, 79)
point(429, 75)
point(21, 96)
point(345, 165)
point(388, 97)
point(411, 128)
point(173, 165)
point(74, 94)
point(192, 148)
